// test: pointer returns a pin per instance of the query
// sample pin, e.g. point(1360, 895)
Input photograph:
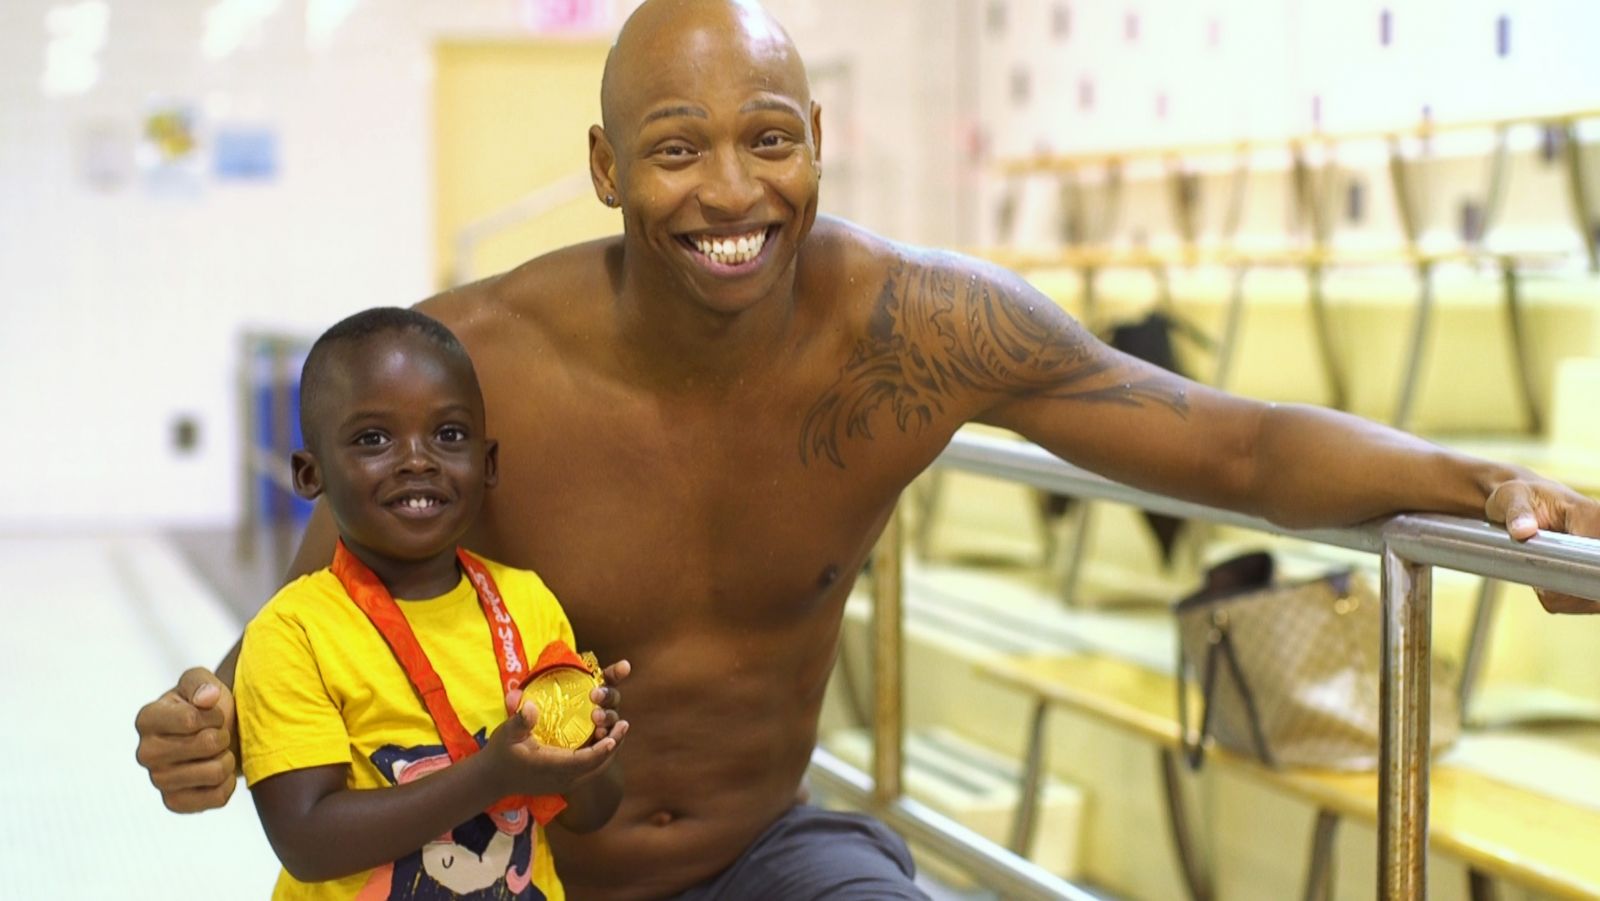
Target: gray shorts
point(811, 853)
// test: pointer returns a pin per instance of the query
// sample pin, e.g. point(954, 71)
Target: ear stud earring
point(610, 200)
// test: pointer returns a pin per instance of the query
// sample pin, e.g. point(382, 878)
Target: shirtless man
point(706, 422)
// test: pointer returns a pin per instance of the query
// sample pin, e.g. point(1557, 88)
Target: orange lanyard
point(372, 598)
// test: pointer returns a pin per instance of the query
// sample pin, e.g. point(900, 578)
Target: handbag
point(1289, 672)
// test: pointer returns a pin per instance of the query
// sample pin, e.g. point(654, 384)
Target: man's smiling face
point(711, 141)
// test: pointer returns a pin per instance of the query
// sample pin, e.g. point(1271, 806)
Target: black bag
point(1149, 339)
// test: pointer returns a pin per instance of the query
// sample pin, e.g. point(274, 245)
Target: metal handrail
point(1010, 875)
point(526, 208)
point(1409, 545)
point(1058, 162)
point(266, 359)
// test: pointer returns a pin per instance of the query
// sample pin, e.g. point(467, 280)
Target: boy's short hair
point(356, 329)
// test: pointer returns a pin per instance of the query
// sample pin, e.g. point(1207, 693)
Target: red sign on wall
point(569, 17)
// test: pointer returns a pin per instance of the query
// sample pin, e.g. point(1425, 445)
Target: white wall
point(1150, 73)
point(1252, 68)
point(896, 120)
point(121, 308)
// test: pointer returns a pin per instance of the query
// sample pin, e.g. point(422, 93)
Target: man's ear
point(603, 167)
point(491, 463)
point(816, 136)
point(305, 474)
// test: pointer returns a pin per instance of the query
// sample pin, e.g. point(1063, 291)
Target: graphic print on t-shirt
point(487, 858)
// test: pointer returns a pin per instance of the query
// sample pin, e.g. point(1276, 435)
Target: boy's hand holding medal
point(564, 724)
point(572, 703)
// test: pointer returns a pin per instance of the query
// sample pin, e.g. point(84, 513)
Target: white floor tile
point(90, 629)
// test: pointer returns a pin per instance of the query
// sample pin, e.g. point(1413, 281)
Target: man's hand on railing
point(1527, 506)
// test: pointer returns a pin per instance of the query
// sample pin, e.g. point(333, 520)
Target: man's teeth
point(418, 503)
point(733, 250)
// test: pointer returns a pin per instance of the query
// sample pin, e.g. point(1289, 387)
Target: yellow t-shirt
point(317, 685)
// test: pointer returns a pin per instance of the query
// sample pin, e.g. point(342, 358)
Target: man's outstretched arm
point(187, 737)
point(1031, 368)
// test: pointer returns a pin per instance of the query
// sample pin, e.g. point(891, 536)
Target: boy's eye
point(371, 439)
point(452, 433)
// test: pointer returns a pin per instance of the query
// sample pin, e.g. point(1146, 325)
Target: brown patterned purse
point(1288, 672)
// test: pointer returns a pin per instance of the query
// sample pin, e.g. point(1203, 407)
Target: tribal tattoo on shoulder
point(938, 332)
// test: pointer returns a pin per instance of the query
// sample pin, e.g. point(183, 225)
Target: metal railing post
point(888, 714)
point(281, 509)
point(1403, 727)
point(1026, 817)
point(250, 497)
point(1409, 546)
point(1578, 192)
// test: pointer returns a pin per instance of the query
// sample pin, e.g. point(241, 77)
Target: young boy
point(400, 660)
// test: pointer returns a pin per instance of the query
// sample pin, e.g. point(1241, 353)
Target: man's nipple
point(830, 575)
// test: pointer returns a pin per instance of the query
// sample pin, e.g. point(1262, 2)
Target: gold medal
point(561, 695)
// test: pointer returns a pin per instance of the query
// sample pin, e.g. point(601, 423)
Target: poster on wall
point(105, 155)
point(169, 152)
point(244, 153)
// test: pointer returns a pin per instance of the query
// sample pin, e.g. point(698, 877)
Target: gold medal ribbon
point(369, 594)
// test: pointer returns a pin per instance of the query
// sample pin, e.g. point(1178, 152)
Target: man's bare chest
point(647, 518)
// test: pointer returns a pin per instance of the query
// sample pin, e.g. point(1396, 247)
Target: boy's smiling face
point(400, 454)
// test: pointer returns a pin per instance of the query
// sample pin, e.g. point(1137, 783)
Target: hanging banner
point(569, 18)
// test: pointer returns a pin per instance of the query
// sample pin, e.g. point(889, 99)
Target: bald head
point(694, 33)
point(710, 133)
